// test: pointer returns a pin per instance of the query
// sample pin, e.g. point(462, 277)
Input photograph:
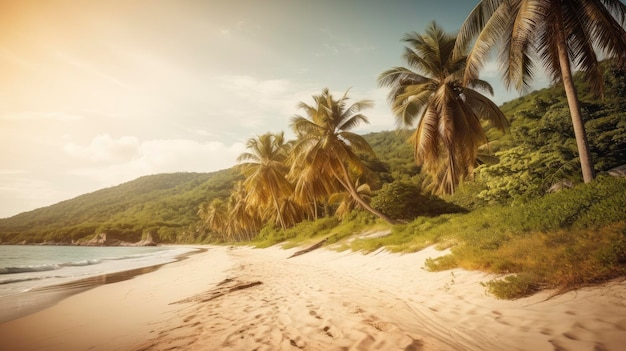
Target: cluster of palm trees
point(289, 181)
point(438, 94)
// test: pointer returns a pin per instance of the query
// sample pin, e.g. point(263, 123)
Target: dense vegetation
point(540, 149)
point(514, 224)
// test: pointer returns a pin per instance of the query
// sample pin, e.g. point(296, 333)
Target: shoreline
point(113, 316)
point(235, 298)
point(40, 298)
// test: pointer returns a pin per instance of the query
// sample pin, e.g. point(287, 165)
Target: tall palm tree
point(326, 144)
point(448, 112)
point(265, 168)
point(564, 34)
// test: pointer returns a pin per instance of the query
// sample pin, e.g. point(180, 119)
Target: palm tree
point(564, 33)
point(265, 169)
point(243, 218)
point(346, 202)
point(215, 216)
point(448, 112)
point(326, 144)
point(291, 211)
point(312, 187)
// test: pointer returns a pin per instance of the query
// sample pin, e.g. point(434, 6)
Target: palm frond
point(606, 20)
point(474, 23)
point(482, 85)
point(486, 109)
point(487, 22)
point(357, 143)
point(410, 102)
point(352, 121)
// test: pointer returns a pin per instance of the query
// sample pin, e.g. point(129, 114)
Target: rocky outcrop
point(148, 240)
point(105, 239)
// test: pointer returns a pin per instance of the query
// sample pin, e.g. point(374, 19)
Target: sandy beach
point(259, 299)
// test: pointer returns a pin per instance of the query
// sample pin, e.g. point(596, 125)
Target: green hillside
point(540, 150)
point(164, 204)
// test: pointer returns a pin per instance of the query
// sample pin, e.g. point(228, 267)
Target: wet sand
point(17, 305)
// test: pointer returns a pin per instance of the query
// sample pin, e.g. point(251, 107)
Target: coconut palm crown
point(265, 167)
point(326, 144)
point(431, 91)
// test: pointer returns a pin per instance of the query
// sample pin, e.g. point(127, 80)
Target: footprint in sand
point(379, 325)
point(504, 321)
point(546, 331)
point(297, 343)
point(384, 326)
point(352, 308)
point(314, 314)
point(189, 318)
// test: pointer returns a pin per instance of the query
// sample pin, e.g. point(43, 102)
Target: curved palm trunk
point(347, 183)
point(586, 162)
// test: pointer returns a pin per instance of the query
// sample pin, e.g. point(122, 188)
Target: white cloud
point(104, 148)
point(254, 103)
point(165, 156)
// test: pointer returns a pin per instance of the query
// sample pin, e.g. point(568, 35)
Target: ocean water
point(26, 268)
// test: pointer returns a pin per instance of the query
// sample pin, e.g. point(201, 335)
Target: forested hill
point(164, 204)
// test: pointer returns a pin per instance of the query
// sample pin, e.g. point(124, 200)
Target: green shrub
point(513, 286)
point(441, 263)
point(405, 200)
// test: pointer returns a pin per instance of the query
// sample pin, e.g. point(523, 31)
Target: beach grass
point(561, 241)
point(569, 239)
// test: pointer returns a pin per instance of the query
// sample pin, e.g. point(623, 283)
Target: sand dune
point(252, 299)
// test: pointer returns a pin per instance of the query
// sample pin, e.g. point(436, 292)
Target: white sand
point(321, 300)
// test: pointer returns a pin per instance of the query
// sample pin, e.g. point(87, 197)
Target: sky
point(97, 93)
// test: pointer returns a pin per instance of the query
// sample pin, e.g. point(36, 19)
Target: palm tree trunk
point(347, 183)
point(280, 216)
point(326, 208)
point(315, 208)
point(586, 162)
